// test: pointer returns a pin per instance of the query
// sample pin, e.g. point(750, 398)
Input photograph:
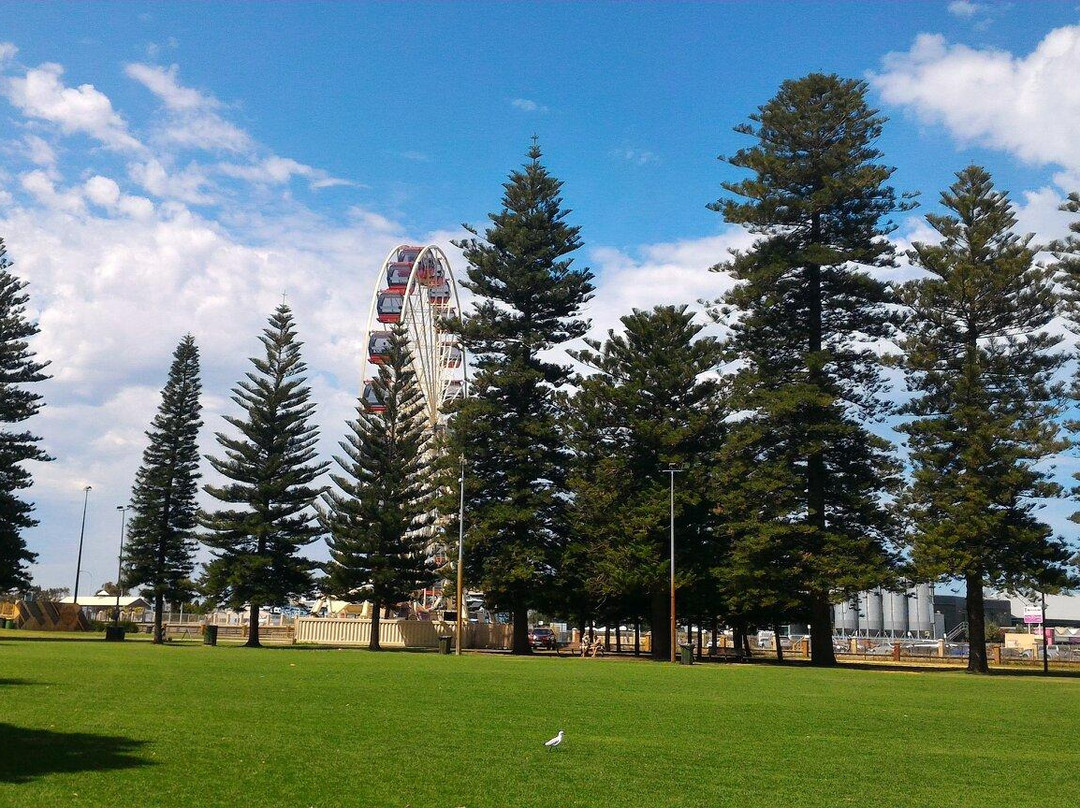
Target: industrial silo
point(875, 622)
point(921, 610)
point(894, 608)
point(845, 616)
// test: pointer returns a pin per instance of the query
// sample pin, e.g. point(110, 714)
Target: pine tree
point(1067, 273)
point(984, 416)
point(160, 551)
point(646, 408)
point(377, 518)
point(271, 468)
point(18, 368)
point(529, 296)
point(800, 319)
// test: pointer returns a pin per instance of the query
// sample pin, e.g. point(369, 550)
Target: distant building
point(953, 608)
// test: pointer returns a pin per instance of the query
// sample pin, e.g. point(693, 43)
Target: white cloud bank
point(1027, 105)
point(41, 94)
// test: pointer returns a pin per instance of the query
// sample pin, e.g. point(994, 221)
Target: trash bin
point(9, 624)
point(444, 644)
point(114, 633)
point(686, 654)
point(209, 635)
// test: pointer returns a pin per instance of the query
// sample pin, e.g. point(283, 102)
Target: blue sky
point(173, 167)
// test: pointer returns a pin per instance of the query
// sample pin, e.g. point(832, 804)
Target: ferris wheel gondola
point(416, 287)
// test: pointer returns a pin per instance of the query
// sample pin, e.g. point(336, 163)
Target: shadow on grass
point(89, 637)
point(32, 753)
point(959, 669)
point(15, 682)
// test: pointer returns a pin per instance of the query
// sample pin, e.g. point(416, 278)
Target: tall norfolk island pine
point(646, 408)
point(160, 550)
point(982, 368)
point(818, 200)
point(18, 368)
point(529, 296)
point(270, 470)
point(375, 519)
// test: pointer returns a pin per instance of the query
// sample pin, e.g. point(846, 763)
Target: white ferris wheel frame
point(429, 352)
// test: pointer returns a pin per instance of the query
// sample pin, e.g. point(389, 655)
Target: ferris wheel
point(416, 287)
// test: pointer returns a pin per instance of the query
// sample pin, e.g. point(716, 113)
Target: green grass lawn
point(131, 724)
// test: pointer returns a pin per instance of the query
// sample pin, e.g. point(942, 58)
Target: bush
point(129, 626)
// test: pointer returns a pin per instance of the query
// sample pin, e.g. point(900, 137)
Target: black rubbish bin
point(114, 633)
point(686, 654)
point(444, 644)
point(209, 635)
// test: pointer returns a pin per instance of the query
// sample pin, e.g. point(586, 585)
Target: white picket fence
point(398, 633)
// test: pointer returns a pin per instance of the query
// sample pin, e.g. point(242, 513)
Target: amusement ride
point(416, 287)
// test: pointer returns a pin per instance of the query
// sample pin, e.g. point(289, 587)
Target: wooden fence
point(398, 633)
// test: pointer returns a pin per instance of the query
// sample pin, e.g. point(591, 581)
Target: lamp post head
point(88, 488)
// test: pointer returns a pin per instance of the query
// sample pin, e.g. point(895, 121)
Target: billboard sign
point(1032, 614)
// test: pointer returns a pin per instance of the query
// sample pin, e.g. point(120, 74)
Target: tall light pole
point(82, 534)
point(120, 563)
point(1046, 636)
point(460, 559)
point(674, 636)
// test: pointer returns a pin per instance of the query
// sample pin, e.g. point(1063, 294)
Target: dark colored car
point(542, 637)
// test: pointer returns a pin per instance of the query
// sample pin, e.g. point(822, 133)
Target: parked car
point(542, 637)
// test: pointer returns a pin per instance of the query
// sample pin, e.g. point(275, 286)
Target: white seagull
point(554, 741)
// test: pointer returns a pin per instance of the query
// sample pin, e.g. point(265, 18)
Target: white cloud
point(39, 184)
point(41, 94)
point(965, 9)
point(39, 151)
point(659, 274)
point(1028, 105)
point(102, 191)
point(527, 105)
point(279, 171)
point(190, 185)
point(638, 157)
point(193, 120)
point(163, 83)
point(7, 52)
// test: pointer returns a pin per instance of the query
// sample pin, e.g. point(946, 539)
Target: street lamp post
point(460, 559)
point(120, 564)
point(1046, 637)
point(674, 635)
point(82, 534)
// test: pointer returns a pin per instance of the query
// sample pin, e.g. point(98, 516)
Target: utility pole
point(461, 560)
point(82, 534)
point(1046, 637)
point(674, 627)
point(120, 564)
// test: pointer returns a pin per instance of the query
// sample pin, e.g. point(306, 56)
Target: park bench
point(577, 648)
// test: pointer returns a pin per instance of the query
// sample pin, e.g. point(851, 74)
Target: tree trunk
point(159, 607)
point(736, 640)
point(976, 619)
point(821, 647)
point(618, 639)
point(661, 629)
point(376, 613)
point(776, 639)
point(520, 645)
point(822, 653)
point(637, 637)
point(746, 646)
point(253, 628)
